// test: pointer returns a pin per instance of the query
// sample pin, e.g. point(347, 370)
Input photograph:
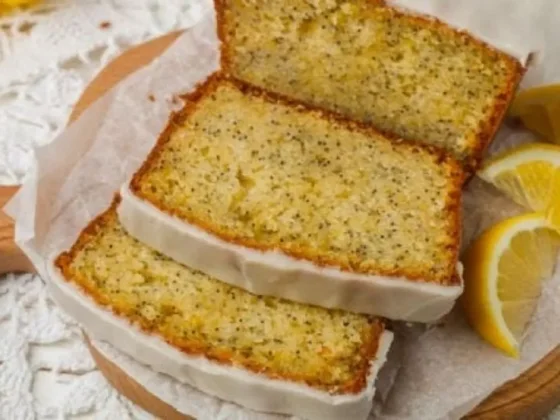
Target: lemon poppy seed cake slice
point(261, 352)
point(404, 73)
point(289, 202)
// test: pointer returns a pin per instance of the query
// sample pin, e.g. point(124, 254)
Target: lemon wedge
point(530, 175)
point(539, 110)
point(504, 271)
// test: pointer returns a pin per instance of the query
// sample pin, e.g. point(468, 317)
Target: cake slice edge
point(400, 296)
point(226, 382)
point(229, 382)
point(276, 274)
point(478, 140)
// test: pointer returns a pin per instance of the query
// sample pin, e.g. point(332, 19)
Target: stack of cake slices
point(306, 195)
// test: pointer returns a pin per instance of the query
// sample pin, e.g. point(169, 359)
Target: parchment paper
point(447, 370)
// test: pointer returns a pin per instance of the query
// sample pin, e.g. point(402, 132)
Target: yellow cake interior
point(406, 75)
point(327, 349)
point(269, 175)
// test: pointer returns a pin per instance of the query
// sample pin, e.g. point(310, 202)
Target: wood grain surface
point(11, 257)
point(132, 389)
point(531, 396)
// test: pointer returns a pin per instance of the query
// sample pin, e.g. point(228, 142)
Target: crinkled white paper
point(447, 370)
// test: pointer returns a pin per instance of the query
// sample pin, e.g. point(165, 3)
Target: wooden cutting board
point(531, 396)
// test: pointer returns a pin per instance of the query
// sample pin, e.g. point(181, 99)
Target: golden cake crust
point(64, 261)
point(455, 177)
point(477, 141)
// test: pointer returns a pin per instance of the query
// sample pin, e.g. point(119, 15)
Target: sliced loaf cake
point(289, 202)
point(410, 75)
point(263, 353)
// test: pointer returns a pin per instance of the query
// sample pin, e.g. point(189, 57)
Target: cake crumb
point(373, 78)
point(105, 24)
point(284, 152)
point(151, 97)
point(187, 308)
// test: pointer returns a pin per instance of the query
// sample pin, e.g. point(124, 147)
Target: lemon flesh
point(539, 111)
point(529, 175)
point(504, 271)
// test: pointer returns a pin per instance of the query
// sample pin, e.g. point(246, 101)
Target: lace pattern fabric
point(46, 370)
point(47, 57)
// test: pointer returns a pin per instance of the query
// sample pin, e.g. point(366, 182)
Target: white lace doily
point(47, 57)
